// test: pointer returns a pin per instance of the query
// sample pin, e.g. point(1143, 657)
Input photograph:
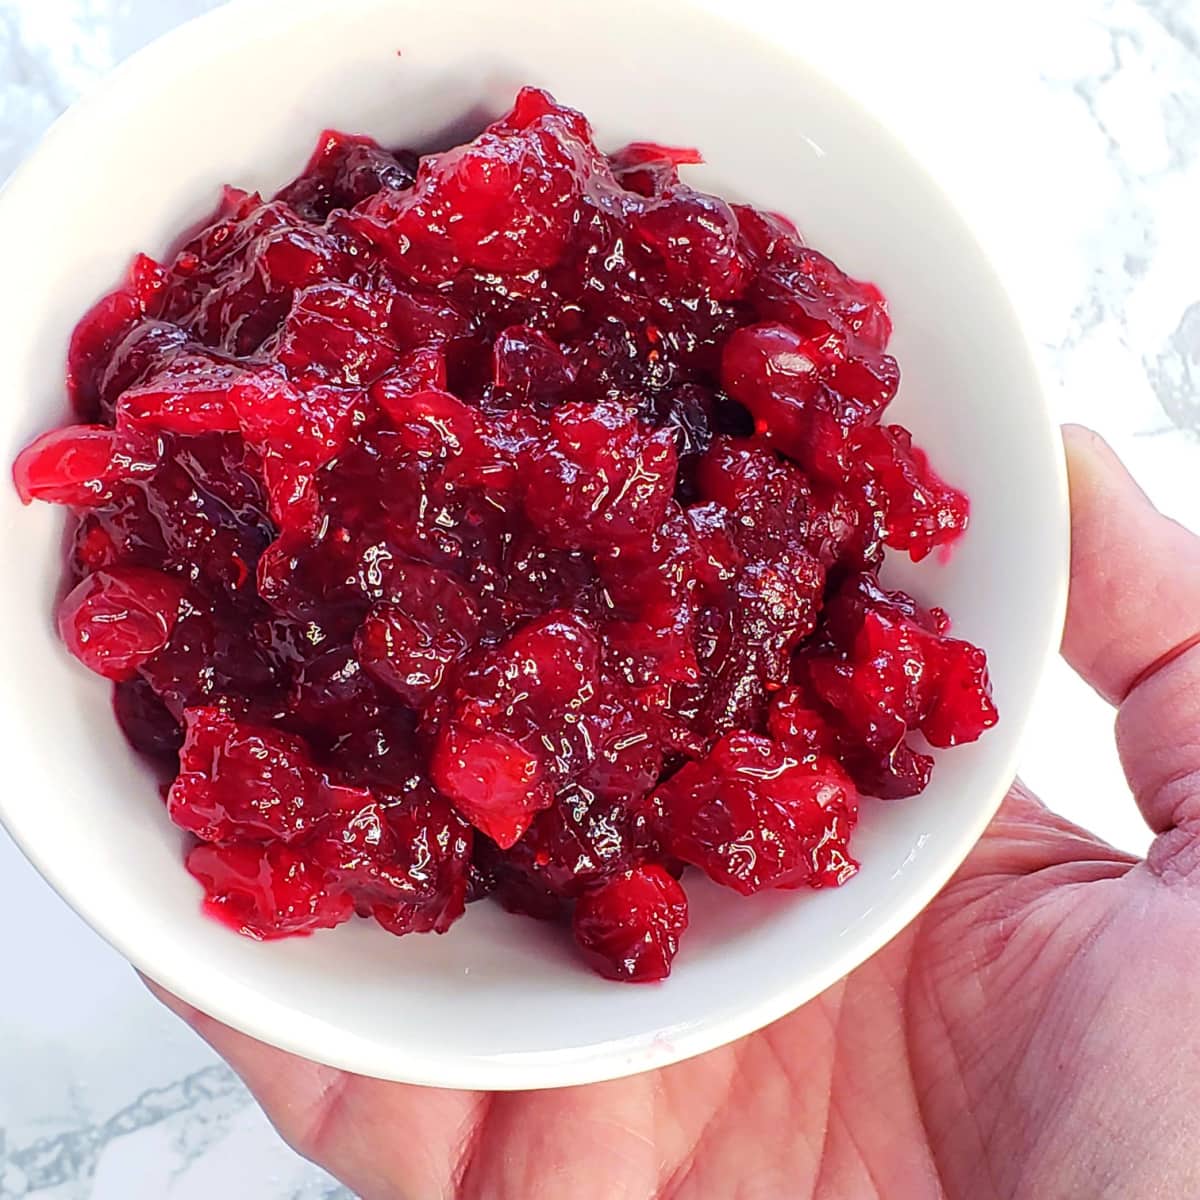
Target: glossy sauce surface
point(505, 521)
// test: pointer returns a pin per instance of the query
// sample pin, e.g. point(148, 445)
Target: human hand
point(1031, 1034)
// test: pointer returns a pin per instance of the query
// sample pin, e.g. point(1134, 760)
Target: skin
point(1032, 1034)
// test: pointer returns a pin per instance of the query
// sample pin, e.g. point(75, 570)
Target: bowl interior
point(240, 97)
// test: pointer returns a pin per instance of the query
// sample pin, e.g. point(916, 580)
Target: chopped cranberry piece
point(504, 522)
point(102, 328)
point(587, 835)
point(335, 334)
point(601, 477)
point(961, 708)
point(803, 288)
point(268, 891)
point(411, 654)
point(496, 783)
point(433, 425)
point(799, 729)
point(504, 202)
point(807, 396)
point(404, 861)
point(243, 781)
point(516, 890)
point(889, 670)
point(145, 720)
point(629, 926)
point(344, 169)
point(751, 816)
point(696, 238)
point(331, 693)
point(921, 511)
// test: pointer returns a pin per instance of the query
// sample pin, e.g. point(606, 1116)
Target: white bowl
point(240, 96)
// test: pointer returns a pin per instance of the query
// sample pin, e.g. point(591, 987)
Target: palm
point(1019, 1039)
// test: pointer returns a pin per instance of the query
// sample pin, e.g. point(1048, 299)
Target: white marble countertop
point(1069, 131)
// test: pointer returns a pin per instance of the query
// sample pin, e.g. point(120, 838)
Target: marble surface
point(1069, 131)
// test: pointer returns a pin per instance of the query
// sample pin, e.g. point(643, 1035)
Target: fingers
point(1135, 575)
point(1132, 627)
point(1026, 838)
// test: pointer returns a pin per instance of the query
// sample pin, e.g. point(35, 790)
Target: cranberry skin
point(650, 169)
point(268, 891)
point(146, 349)
point(335, 334)
point(601, 478)
point(690, 413)
point(241, 781)
point(68, 466)
point(751, 816)
point(119, 618)
point(190, 393)
point(628, 928)
point(766, 236)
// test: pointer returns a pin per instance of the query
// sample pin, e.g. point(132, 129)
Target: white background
point(1069, 132)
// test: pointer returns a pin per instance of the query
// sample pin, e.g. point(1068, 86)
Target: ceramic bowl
point(239, 96)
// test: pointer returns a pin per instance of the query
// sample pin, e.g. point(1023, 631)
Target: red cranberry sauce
point(504, 521)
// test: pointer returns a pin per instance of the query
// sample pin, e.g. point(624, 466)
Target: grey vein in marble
point(1175, 372)
point(322, 1191)
point(207, 1096)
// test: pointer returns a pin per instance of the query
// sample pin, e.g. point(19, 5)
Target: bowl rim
point(248, 1010)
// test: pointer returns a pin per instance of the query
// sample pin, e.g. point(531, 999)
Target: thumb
point(1133, 628)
